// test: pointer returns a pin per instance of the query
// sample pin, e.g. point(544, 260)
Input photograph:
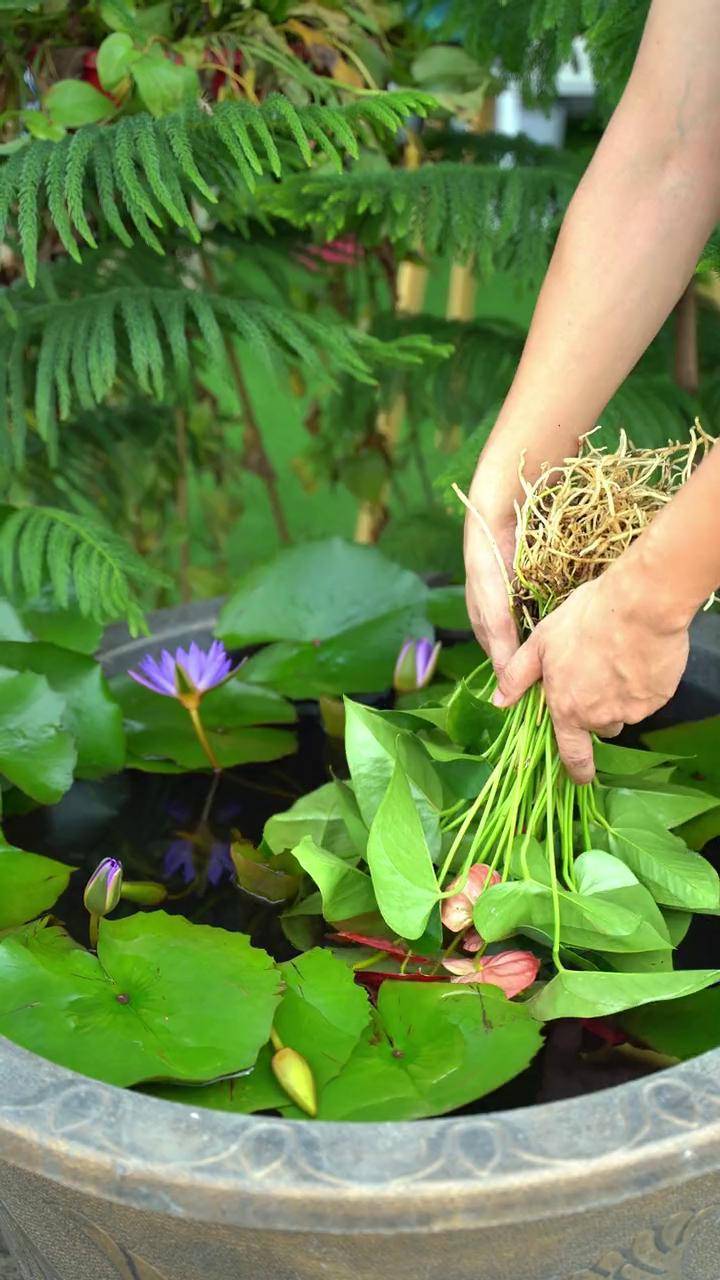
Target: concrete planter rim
point(455, 1172)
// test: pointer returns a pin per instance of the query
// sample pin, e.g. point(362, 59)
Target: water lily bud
point(103, 889)
point(294, 1075)
point(415, 665)
point(146, 892)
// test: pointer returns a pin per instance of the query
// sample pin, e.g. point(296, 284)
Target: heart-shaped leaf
point(319, 815)
point(674, 874)
point(373, 744)
point(595, 995)
point(73, 103)
point(401, 868)
point(345, 891)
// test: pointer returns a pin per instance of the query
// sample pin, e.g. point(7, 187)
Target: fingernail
point(498, 699)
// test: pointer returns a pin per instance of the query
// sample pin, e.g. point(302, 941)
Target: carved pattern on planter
point(21, 1260)
point(657, 1253)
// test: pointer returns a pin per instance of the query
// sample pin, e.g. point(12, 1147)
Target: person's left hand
point(611, 654)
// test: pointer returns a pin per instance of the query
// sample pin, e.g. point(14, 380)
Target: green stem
point(582, 795)
point(550, 844)
point(275, 1040)
point(194, 713)
point(94, 928)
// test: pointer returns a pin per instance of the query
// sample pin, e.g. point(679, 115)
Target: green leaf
point(90, 714)
point(163, 999)
point(36, 753)
point(67, 628)
point(351, 816)
point(318, 815)
point(29, 884)
point(373, 743)
point(159, 729)
point(610, 758)
point(447, 609)
point(670, 804)
point(681, 1028)
point(164, 85)
point(445, 67)
point(114, 59)
point(323, 1012)
point(339, 611)
point(698, 741)
point(434, 1048)
point(345, 891)
point(458, 661)
point(74, 103)
point(473, 722)
point(256, 1090)
point(41, 126)
point(596, 922)
point(401, 868)
point(674, 874)
point(595, 995)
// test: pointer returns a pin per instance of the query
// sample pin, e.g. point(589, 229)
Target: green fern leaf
point(57, 208)
point(175, 128)
point(31, 174)
point(282, 108)
point(79, 151)
point(138, 204)
point(105, 184)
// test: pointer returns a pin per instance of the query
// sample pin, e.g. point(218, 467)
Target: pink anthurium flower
point(457, 911)
point(511, 971)
point(472, 941)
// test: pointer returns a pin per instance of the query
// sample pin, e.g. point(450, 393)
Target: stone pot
point(97, 1183)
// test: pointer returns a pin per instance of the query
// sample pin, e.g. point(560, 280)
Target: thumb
point(523, 669)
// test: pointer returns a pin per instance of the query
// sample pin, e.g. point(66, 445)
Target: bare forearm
point(627, 249)
point(674, 566)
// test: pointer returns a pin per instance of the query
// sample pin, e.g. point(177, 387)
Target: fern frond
point(152, 166)
point(69, 552)
point(70, 345)
point(487, 212)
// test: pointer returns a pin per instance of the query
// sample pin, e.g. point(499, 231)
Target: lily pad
point(163, 999)
point(338, 613)
point(37, 753)
point(90, 714)
point(236, 717)
point(433, 1048)
point(29, 884)
point(323, 1012)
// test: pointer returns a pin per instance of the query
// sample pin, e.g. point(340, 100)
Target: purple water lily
point(180, 856)
point(415, 665)
point(191, 670)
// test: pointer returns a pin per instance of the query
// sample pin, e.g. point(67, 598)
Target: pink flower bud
point(457, 911)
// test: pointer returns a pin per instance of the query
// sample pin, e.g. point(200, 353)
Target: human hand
point(486, 589)
point(610, 655)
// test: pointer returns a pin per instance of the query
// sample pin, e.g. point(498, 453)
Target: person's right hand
point(485, 587)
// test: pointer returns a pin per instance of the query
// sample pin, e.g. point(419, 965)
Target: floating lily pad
point(29, 884)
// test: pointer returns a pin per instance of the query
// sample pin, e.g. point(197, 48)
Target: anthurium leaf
point(159, 728)
point(473, 722)
point(681, 1028)
point(589, 922)
point(372, 746)
point(351, 816)
point(318, 814)
point(402, 872)
point(75, 102)
point(671, 804)
point(29, 884)
point(323, 1012)
point(36, 753)
point(613, 759)
point(91, 714)
point(674, 874)
point(535, 859)
point(699, 831)
point(457, 661)
point(340, 612)
point(163, 999)
point(434, 1048)
point(594, 995)
point(345, 890)
point(256, 1090)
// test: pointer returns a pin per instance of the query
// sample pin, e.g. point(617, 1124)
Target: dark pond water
point(140, 818)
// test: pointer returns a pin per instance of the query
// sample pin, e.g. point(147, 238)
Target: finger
point(575, 747)
point(522, 671)
point(610, 730)
point(494, 629)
